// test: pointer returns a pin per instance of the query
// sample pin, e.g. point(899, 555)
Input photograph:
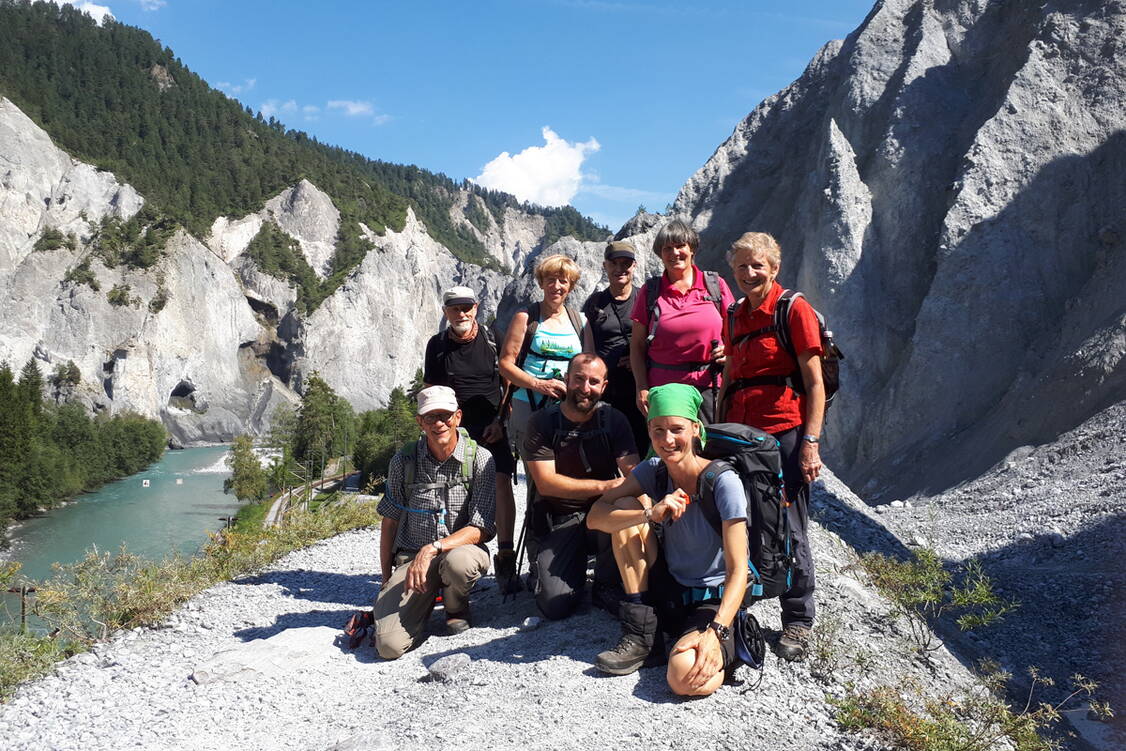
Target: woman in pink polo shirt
point(757, 391)
point(679, 339)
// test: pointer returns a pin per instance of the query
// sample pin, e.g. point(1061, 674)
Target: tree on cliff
point(325, 425)
point(248, 479)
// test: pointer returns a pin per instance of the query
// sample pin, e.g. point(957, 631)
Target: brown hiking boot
point(457, 623)
point(508, 579)
point(793, 642)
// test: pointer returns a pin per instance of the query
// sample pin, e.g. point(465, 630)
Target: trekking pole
point(519, 554)
point(715, 385)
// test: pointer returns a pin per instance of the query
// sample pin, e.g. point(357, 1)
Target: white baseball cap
point(437, 398)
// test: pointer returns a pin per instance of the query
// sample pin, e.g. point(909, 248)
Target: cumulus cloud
point(273, 107)
point(98, 12)
point(549, 175)
point(234, 89)
point(351, 108)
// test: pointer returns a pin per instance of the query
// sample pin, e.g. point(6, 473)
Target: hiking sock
point(634, 597)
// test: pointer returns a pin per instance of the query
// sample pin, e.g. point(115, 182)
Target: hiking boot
point(457, 623)
point(793, 642)
point(638, 645)
point(508, 579)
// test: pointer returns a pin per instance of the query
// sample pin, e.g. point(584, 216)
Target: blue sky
point(602, 104)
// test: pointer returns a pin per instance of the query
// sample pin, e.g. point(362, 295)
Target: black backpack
point(831, 354)
point(756, 458)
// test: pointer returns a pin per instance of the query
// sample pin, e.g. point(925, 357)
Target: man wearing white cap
point(464, 357)
point(438, 513)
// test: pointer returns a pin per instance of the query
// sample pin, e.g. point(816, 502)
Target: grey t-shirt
point(693, 550)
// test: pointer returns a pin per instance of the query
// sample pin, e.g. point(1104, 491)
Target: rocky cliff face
point(226, 346)
point(946, 184)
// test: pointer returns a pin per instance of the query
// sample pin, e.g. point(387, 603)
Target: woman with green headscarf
point(691, 584)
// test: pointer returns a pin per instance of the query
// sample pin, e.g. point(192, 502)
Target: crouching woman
point(691, 582)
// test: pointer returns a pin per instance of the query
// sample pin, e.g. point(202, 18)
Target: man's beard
point(461, 329)
point(573, 400)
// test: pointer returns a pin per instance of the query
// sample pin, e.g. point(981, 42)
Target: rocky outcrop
point(42, 187)
point(946, 185)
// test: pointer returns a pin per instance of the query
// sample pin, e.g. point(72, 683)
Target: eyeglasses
point(461, 308)
point(433, 417)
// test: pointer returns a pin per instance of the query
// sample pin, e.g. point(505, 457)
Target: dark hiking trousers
point(797, 603)
point(560, 548)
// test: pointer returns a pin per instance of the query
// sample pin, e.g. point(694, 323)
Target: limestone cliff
point(946, 184)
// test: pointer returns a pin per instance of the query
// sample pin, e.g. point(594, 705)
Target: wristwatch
point(437, 545)
point(811, 439)
point(720, 630)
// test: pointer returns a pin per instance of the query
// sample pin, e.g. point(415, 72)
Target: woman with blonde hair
point(778, 389)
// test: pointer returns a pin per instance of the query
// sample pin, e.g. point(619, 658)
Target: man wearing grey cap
point(608, 331)
point(438, 514)
point(464, 357)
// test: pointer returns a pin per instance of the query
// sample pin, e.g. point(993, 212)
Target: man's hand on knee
point(419, 569)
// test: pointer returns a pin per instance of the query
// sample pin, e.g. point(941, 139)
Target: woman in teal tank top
point(558, 338)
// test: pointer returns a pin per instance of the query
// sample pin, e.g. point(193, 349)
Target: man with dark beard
point(576, 451)
point(464, 357)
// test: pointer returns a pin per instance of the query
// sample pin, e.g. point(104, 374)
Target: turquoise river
point(171, 506)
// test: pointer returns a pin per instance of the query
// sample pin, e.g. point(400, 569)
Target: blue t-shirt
point(693, 550)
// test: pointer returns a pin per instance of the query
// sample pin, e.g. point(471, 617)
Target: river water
point(181, 503)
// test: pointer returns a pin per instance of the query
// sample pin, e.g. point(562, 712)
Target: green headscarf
point(677, 400)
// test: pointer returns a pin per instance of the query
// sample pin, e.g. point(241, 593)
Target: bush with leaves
point(975, 720)
point(81, 274)
point(922, 590)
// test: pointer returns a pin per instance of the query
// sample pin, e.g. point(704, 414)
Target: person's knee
point(679, 666)
point(463, 565)
point(392, 645)
point(555, 604)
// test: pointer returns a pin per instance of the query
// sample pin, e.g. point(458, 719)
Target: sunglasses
point(431, 418)
point(461, 308)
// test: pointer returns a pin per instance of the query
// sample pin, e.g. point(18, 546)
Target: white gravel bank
point(522, 689)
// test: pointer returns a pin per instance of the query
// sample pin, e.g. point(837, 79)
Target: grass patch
point(975, 720)
point(251, 516)
point(106, 592)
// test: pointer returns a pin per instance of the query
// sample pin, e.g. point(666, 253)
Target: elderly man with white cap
point(464, 357)
point(438, 513)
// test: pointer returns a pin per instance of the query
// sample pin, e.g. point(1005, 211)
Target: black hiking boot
point(793, 643)
point(508, 580)
point(638, 645)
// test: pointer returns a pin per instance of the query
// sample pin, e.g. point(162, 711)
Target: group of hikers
point(581, 397)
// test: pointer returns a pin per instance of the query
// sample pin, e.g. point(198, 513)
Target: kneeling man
point(438, 513)
point(575, 451)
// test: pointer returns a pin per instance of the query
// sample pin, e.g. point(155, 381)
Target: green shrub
point(51, 239)
point(922, 590)
point(975, 720)
point(119, 295)
point(81, 274)
point(158, 301)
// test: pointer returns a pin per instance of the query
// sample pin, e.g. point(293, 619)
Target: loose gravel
point(273, 674)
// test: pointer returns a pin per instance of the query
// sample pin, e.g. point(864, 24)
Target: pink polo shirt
point(688, 324)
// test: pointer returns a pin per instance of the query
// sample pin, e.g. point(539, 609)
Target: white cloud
point(272, 107)
point(98, 12)
point(352, 108)
point(311, 112)
point(592, 186)
point(381, 119)
point(234, 89)
point(549, 175)
point(152, 4)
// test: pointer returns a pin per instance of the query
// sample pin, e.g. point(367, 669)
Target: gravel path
point(298, 689)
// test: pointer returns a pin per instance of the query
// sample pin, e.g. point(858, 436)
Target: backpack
point(533, 311)
point(831, 354)
point(600, 432)
point(652, 291)
point(443, 350)
point(755, 457)
point(409, 454)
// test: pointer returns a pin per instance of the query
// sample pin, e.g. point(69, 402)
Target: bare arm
point(605, 517)
point(549, 482)
point(810, 366)
point(627, 463)
point(388, 530)
point(638, 352)
point(514, 375)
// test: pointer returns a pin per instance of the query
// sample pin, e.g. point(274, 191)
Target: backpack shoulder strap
point(490, 339)
point(782, 319)
point(533, 311)
point(576, 321)
point(715, 292)
point(409, 452)
point(708, 479)
point(469, 466)
point(652, 291)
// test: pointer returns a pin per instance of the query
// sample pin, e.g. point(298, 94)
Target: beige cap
point(437, 398)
